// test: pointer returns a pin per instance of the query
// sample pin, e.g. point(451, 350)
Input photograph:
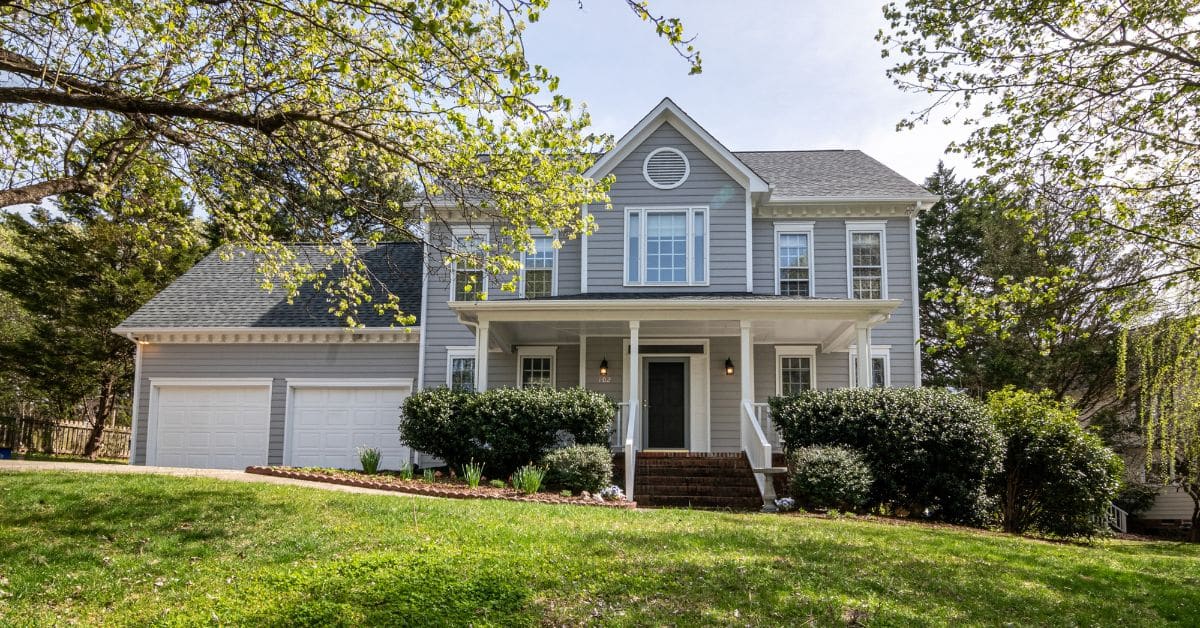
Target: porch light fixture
point(604, 366)
point(728, 366)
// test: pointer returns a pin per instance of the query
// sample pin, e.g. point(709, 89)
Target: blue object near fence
point(5, 453)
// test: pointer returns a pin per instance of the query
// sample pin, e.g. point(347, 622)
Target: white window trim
point(460, 234)
point(790, 351)
point(687, 167)
point(458, 352)
point(795, 228)
point(553, 265)
point(866, 226)
point(548, 351)
point(877, 351)
point(689, 249)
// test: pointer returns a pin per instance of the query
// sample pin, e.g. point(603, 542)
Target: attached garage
point(328, 420)
point(217, 424)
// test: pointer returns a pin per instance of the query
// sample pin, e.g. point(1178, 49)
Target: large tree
point(80, 271)
point(437, 94)
point(983, 237)
point(1101, 99)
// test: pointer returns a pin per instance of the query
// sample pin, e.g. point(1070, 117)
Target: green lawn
point(123, 549)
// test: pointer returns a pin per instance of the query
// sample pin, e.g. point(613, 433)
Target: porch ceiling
point(829, 323)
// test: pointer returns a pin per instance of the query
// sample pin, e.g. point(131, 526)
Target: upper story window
point(867, 263)
point(666, 168)
point(538, 268)
point(666, 246)
point(793, 259)
point(795, 369)
point(881, 369)
point(469, 281)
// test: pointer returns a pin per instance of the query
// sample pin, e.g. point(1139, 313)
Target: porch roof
point(829, 323)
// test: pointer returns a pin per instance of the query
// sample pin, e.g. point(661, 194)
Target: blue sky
point(777, 75)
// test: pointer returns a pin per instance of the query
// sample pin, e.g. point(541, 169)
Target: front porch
point(689, 375)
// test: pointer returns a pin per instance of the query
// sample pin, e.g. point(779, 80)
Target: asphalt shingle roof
point(828, 173)
point(218, 293)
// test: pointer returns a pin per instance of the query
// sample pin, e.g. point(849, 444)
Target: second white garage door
point(330, 423)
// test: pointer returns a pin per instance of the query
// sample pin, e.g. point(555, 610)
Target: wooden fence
point(60, 437)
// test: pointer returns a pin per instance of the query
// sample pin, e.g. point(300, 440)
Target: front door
point(666, 404)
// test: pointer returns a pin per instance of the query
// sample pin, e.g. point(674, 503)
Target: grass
point(134, 549)
point(68, 458)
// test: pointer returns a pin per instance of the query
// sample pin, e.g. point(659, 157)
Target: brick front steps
point(692, 480)
point(437, 489)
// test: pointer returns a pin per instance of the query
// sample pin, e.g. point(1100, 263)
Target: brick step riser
point(688, 502)
point(694, 491)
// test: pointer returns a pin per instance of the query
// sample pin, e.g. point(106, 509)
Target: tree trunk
point(1193, 491)
point(100, 418)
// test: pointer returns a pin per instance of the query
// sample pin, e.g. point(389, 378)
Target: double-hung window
point(866, 262)
point(469, 281)
point(460, 368)
point(666, 246)
point(538, 268)
point(795, 369)
point(793, 259)
point(536, 366)
point(881, 375)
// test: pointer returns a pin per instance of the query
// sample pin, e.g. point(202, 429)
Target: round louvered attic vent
point(666, 168)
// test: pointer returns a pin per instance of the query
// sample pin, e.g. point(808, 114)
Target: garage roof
point(219, 293)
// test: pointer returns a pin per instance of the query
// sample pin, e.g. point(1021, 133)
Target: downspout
point(916, 292)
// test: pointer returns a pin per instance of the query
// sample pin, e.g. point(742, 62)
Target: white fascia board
point(921, 201)
point(668, 111)
point(871, 312)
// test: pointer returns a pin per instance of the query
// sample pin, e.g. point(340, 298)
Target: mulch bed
point(442, 488)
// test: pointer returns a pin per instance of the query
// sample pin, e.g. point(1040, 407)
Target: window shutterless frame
point(464, 235)
point(537, 353)
point(805, 352)
point(636, 219)
point(878, 352)
point(459, 353)
point(549, 242)
point(878, 227)
point(794, 228)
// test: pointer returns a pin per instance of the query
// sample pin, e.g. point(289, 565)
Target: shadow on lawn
point(68, 517)
point(922, 575)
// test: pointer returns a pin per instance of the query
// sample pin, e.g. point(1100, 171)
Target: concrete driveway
point(16, 466)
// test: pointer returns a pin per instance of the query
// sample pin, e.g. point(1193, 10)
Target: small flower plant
point(369, 457)
point(612, 493)
point(785, 504)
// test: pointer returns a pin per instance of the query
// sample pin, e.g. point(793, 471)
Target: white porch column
point(635, 364)
point(583, 361)
point(863, 355)
point(481, 356)
point(747, 362)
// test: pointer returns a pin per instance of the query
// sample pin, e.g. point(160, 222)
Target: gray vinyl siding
point(279, 362)
point(828, 276)
point(606, 348)
point(725, 410)
point(707, 185)
point(1171, 503)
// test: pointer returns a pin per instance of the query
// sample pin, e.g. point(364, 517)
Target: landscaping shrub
point(1136, 497)
point(578, 468)
point(504, 427)
point(829, 477)
point(369, 457)
point(929, 450)
point(1057, 478)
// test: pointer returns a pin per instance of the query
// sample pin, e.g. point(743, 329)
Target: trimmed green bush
point(503, 428)
point(1057, 479)
point(829, 477)
point(930, 451)
point(578, 468)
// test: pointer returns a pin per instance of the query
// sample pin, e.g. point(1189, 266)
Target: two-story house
point(715, 280)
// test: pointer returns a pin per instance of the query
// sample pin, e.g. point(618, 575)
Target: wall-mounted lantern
point(728, 366)
point(604, 366)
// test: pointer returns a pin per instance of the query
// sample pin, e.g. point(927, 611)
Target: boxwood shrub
point(930, 451)
point(579, 468)
point(504, 428)
point(1058, 479)
point(829, 477)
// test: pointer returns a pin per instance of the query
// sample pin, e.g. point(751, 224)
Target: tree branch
point(35, 192)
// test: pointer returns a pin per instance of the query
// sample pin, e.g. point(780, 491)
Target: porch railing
point(616, 440)
point(1118, 519)
point(757, 448)
point(762, 412)
point(632, 438)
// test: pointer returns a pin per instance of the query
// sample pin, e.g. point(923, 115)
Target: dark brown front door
point(665, 405)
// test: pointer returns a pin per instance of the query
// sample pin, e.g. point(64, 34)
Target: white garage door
point(329, 424)
point(215, 427)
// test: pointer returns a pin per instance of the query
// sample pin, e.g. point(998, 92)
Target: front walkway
point(216, 474)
